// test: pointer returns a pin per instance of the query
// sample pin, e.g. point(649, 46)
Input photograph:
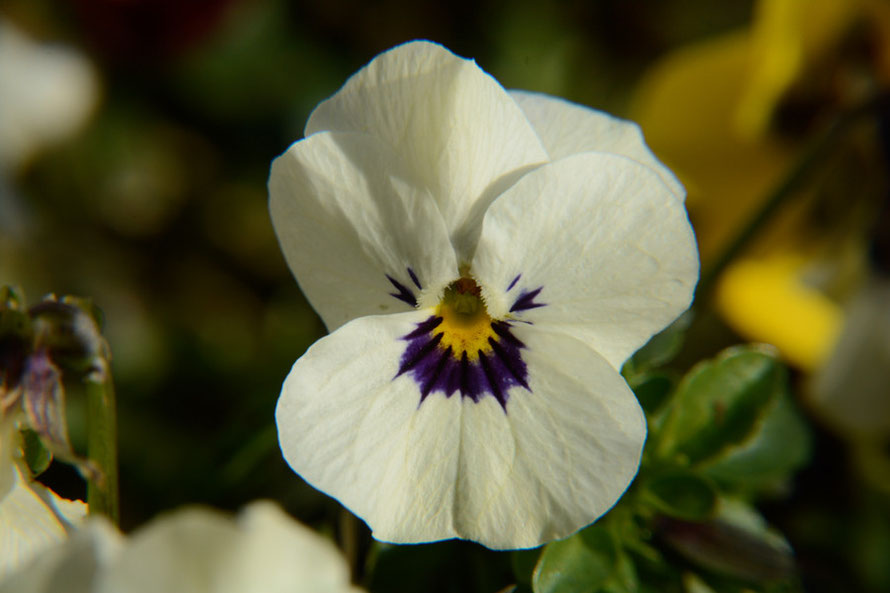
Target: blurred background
point(135, 143)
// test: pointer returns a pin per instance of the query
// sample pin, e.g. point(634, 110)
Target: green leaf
point(766, 460)
point(652, 390)
point(720, 403)
point(583, 562)
point(36, 455)
point(683, 495)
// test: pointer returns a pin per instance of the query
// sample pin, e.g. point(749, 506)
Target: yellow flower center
point(466, 324)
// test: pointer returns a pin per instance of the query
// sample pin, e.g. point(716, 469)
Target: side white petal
point(560, 457)
point(347, 214)
point(28, 524)
point(203, 551)
point(606, 241)
point(566, 128)
point(460, 132)
point(355, 431)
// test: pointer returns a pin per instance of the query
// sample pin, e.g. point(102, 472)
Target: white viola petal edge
point(567, 128)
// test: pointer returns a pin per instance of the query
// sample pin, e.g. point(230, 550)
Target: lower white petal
point(561, 456)
point(509, 471)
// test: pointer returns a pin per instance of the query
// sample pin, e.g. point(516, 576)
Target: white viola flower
point(32, 517)
point(196, 550)
point(486, 261)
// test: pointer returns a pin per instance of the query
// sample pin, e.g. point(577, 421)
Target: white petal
point(46, 93)
point(28, 524)
point(347, 214)
point(566, 128)
point(449, 467)
point(203, 551)
point(350, 428)
point(181, 551)
point(70, 566)
point(559, 458)
point(284, 556)
point(606, 241)
point(459, 131)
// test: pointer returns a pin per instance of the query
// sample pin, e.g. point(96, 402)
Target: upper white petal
point(566, 128)
point(606, 239)
point(28, 523)
point(348, 213)
point(448, 467)
point(459, 131)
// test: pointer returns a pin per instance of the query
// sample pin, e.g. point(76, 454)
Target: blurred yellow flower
point(730, 115)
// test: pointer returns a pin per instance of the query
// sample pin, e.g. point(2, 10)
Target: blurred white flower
point(46, 93)
point(192, 550)
point(488, 261)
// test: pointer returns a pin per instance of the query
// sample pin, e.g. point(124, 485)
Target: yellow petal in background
point(686, 105)
point(766, 300)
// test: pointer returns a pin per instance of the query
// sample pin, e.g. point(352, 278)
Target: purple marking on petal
point(405, 295)
point(513, 283)
point(435, 369)
point(526, 300)
point(414, 279)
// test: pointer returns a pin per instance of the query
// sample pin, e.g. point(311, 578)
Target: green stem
point(102, 489)
point(812, 156)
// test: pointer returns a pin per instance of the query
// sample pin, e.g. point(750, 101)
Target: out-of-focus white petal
point(46, 93)
point(348, 214)
point(458, 131)
point(559, 457)
point(284, 556)
point(203, 551)
point(606, 241)
point(28, 523)
point(566, 128)
point(70, 566)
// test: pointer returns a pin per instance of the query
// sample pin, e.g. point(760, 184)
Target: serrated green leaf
point(720, 403)
point(684, 495)
point(37, 456)
point(583, 562)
